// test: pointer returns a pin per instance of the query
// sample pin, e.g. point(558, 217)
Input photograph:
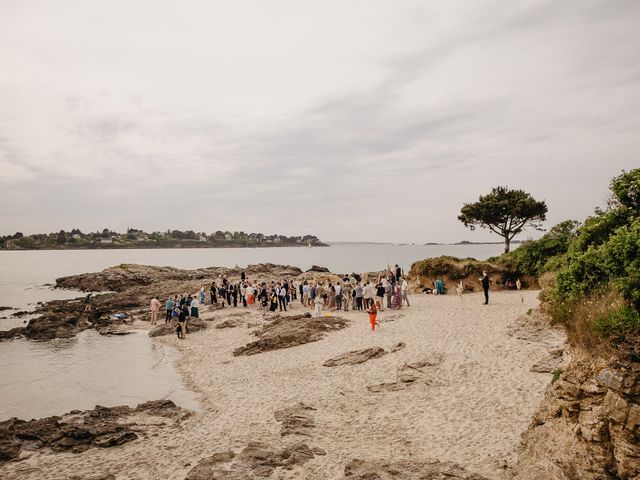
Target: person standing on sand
point(346, 294)
point(405, 291)
point(338, 296)
point(182, 323)
point(169, 307)
point(359, 294)
point(380, 291)
point(331, 305)
point(485, 286)
point(214, 294)
point(155, 308)
point(319, 303)
point(195, 313)
point(282, 297)
point(367, 294)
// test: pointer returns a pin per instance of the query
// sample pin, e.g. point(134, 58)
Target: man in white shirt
point(405, 290)
point(338, 296)
point(368, 295)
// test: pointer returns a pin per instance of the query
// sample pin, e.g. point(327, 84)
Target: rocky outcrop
point(127, 276)
point(256, 460)
point(358, 469)
point(355, 357)
point(290, 331)
point(78, 431)
point(129, 289)
point(587, 427)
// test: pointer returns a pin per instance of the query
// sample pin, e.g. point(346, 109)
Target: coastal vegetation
point(134, 238)
point(590, 272)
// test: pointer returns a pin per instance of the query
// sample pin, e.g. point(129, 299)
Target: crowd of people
point(353, 292)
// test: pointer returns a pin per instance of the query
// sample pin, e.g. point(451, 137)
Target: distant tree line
point(135, 238)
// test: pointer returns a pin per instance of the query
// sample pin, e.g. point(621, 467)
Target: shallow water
point(51, 378)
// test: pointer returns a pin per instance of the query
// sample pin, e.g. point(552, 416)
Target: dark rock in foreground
point(285, 332)
point(355, 357)
point(77, 431)
point(373, 470)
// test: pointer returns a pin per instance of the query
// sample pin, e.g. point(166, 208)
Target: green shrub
point(536, 256)
point(618, 324)
point(616, 261)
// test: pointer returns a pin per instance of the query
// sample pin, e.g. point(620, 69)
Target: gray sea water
point(52, 378)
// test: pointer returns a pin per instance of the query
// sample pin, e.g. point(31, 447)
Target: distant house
point(202, 238)
point(228, 236)
point(106, 240)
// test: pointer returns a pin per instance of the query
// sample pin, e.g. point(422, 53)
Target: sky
point(352, 120)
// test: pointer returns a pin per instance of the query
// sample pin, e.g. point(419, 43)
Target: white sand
point(478, 402)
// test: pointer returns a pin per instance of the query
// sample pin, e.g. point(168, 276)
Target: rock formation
point(78, 431)
point(588, 425)
point(127, 289)
point(256, 460)
point(289, 331)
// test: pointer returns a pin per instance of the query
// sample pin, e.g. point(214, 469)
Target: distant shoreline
point(140, 247)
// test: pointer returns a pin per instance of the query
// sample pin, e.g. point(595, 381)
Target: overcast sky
point(350, 120)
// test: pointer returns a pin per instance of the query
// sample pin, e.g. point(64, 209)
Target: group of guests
point(181, 308)
point(390, 290)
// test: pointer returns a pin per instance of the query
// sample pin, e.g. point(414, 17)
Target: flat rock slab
point(77, 431)
point(296, 420)
point(406, 470)
point(409, 374)
point(290, 331)
point(355, 357)
point(256, 460)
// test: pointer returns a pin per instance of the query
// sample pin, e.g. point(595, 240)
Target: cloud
point(375, 124)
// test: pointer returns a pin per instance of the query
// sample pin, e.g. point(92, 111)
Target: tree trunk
point(506, 244)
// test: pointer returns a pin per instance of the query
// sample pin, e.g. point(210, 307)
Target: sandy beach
point(471, 402)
